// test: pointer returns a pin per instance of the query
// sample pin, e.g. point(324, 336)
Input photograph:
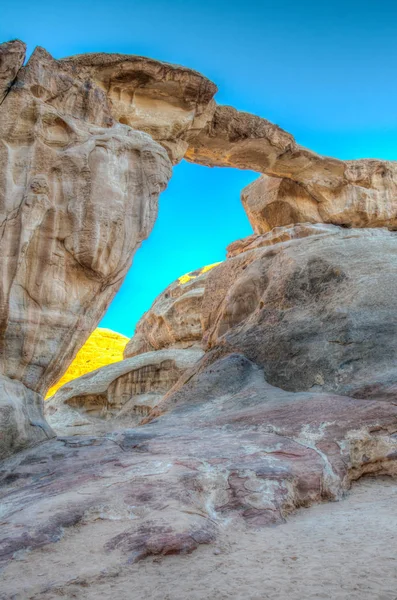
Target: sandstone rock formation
point(167, 101)
point(78, 194)
point(355, 193)
point(102, 348)
point(293, 398)
point(22, 422)
point(315, 312)
point(12, 55)
point(174, 319)
point(232, 449)
point(365, 199)
point(126, 390)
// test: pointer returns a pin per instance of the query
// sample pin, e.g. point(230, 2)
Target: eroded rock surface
point(313, 305)
point(167, 101)
point(125, 391)
point(364, 197)
point(174, 319)
point(12, 55)
point(78, 194)
point(22, 421)
point(230, 448)
point(355, 193)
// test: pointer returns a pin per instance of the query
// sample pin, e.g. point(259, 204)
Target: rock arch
point(79, 190)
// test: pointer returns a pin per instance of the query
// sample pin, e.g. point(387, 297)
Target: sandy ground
point(343, 550)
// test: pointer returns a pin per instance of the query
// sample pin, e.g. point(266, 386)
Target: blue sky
point(324, 71)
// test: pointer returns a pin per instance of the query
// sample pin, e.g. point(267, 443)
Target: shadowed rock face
point(78, 194)
point(315, 312)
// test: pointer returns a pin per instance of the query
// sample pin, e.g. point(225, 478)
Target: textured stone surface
point(167, 101)
point(12, 55)
point(125, 390)
point(78, 194)
point(77, 200)
point(364, 197)
point(22, 423)
point(277, 235)
point(356, 193)
point(102, 348)
point(174, 319)
point(273, 202)
point(307, 308)
point(315, 312)
point(230, 449)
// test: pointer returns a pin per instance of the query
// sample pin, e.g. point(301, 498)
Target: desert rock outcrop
point(313, 305)
point(231, 449)
point(126, 390)
point(78, 194)
point(174, 319)
point(270, 381)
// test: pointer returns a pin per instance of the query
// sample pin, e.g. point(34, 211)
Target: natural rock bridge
point(274, 372)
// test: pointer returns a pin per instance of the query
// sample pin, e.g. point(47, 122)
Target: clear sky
point(326, 71)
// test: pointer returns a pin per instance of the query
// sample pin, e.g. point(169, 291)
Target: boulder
point(366, 198)
point(313, 305)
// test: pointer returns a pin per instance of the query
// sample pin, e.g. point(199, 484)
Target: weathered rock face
point(167, 101)
point(174, 320)
point(366, 198)
point(125, 390)
point(22, 422)
point(78, 194)
point(315, 312)
point(274, 202)
point(232, 449)
point(356, 193)
point(12, 55)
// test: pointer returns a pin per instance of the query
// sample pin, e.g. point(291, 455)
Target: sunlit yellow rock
point(193, 274)
point(103, 347)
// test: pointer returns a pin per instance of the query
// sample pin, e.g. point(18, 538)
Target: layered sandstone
point(126, 390)
point(231, 450)
point(77, 197)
